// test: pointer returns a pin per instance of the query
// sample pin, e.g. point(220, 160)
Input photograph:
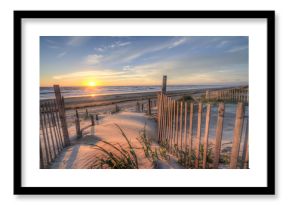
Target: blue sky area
point(138, 60)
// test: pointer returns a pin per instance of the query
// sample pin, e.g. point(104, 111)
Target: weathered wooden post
point(41, 156)
point(205, 137)
point(97, 118)
point(237, 135)
point(61, 109)
point(78, 127)
point(245, 156)
point(142, 107)
point(207, 95)
point(138, 106)
point(116, 108)
point(92, 120)
point(198, 132)
point(218, 135)
point(87, 114)
point(180, 124)
point(149, 106)
point(185, 126)
point(190, 132)
point(164, 84)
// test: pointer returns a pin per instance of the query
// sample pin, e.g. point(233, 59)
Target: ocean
point(48, 92)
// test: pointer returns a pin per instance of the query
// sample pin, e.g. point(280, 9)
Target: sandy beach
point(83, 153)
point(132, 118)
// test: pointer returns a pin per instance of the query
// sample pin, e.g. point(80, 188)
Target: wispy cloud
point(62, 54)
point(53, 46)
point(222, 43)
point(128, 57)
point(76, 40)
point(128, 68)
point(93, 59)
point(237, 49)
point(178, 42)
point(116, 44)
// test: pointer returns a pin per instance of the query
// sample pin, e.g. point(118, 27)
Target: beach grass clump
point(187, 158)
point(146, 143)
point(120, 159)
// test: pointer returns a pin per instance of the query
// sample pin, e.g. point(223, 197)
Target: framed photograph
point(144, 102)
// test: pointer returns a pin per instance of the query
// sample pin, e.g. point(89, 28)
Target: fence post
point(41, 156)
point(185, 126)
point(237, 135)
point(205, 137)
point(164, 84)
point(198, 135)
point(61, 109)
point(245, 157)
point(149, 106)
point(137, 106)
point(180, 124)
point(190, 131)
point(78, 127)
point(92, 120)
point(176, 124)
point(87, 114)
point(219, 130)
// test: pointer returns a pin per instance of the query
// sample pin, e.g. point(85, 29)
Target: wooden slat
point(158, 115)
point(55, 135)
point(165, 119)
point(245, 157)
point(51, 132)
point(237, 135)
point(171, 124)
point(205, 137)
point(177, 123)
point(190, 132)
point(180, 124)
point(44, 138)
point(218, 135)
point(59, 124)
point(149, 106)
point(185, 126)
point(45, 122)
point(197, 143)
point(58, 131)
point(61, 109)
point(160, 118)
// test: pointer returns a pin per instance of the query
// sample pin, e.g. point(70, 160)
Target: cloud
point(137, 53)
point(128, 68)
point(116, 44)
point(62, 54)
point(99, 49)
point(178, 42)
point(76, 40)
point(89, 73)
point(222, 43)
point(53, 47)
point(119, 44)
point(237, 49)
point(93, 59)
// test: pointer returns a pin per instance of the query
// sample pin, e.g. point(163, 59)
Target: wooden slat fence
point(234, 95)
point(175, 120)
point(51, 133)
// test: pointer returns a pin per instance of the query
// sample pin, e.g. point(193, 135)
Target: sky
point(143, 60)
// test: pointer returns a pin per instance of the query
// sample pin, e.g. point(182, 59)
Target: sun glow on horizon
point(92, 83)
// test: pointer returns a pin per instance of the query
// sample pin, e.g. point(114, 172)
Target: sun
point(92, 83)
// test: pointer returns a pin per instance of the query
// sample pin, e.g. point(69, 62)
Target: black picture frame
point(268, 190)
